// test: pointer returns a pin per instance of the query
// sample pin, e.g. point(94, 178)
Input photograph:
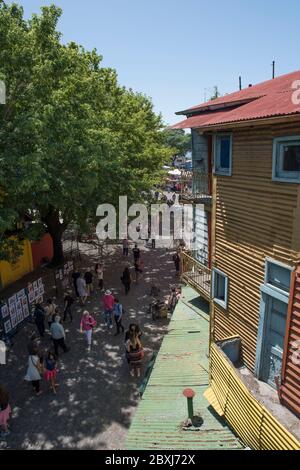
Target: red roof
point(265, 100)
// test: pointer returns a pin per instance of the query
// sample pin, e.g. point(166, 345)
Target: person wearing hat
point(108, 304)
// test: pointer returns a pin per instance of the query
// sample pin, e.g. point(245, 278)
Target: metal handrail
point(196, 274)
point(195, 183)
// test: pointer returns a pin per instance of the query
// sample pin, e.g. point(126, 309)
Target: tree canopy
point(70, 136)
point(178, 141)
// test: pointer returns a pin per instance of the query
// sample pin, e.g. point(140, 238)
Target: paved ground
point(97, 396)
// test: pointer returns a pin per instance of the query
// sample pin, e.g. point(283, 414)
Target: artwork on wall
point(12, 301)
point(18, 307)
point(4, 311)
point(21, 294)
point(13, 319)
point(31, 297)
point(12, 309)
point(41, 290)
point(26, 311)
point(20, 316)
point(7, 326)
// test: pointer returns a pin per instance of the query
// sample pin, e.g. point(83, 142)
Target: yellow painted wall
point(10, 273)
point(251, 421)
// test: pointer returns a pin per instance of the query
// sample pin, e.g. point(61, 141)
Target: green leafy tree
point(70, 136)
point(178, 141)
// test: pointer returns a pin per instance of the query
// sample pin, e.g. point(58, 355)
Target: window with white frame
point(223, 154)
point(286, 159)
point(220, 287)
point(278, 275)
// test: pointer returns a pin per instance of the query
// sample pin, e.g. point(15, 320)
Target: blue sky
point(176, 50)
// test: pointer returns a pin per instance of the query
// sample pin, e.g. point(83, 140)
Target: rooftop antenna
point(240, 83)
point(273, 69)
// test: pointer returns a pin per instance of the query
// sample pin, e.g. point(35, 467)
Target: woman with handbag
point(135, 354)
point(87, 324)
point(34, 371)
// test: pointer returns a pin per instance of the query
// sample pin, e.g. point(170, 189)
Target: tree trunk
point(56, 230)
point(58, 252)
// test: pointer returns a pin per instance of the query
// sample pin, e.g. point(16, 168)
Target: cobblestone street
point(97, 396)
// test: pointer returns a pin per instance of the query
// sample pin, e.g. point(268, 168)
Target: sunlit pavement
point(97, 396)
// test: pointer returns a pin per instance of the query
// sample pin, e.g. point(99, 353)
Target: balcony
point(196, 274)
point(195, 187)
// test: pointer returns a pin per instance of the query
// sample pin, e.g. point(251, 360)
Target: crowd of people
point(50, 321)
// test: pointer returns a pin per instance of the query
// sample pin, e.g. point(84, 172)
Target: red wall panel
point(42, 249)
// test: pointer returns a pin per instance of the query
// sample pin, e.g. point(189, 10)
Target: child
point(51, 370)
point(5, 412)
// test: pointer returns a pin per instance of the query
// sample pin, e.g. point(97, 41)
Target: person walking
point(49, 311)
point(51, 370)
point(125, 247)
point(138, 267)
point(34, 371)
point(82, 289)
point(126, 280)
point(99, 273)
point(134, 329)
point(5, 411)
point(87, 324)
point(173, 300)
point(75, 277)
point(108, 303)
point(68, 302)
point(118, 315)
point(88, 277)
point(153, 243)
point(39, 318)
point(176, 259)
point(135, 354)
point(136, 253)
point(58, 336)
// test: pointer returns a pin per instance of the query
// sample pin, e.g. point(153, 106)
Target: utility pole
point(273, 69)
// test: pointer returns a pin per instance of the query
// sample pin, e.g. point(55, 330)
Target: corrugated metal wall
point(253, 217)
point(253, 423)
point(290, 387)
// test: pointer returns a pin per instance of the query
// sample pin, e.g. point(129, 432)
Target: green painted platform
point(181, 362)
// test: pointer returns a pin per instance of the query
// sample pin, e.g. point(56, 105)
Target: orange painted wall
point(42, 249)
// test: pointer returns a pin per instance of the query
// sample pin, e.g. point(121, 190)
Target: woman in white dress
point(33, 374)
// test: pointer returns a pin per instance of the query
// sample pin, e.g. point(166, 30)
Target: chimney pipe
point(240, 83)
point(273, 69)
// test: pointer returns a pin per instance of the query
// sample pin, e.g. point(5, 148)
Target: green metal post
point(190, 408)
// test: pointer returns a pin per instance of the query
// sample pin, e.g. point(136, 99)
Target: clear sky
point(176, 50)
